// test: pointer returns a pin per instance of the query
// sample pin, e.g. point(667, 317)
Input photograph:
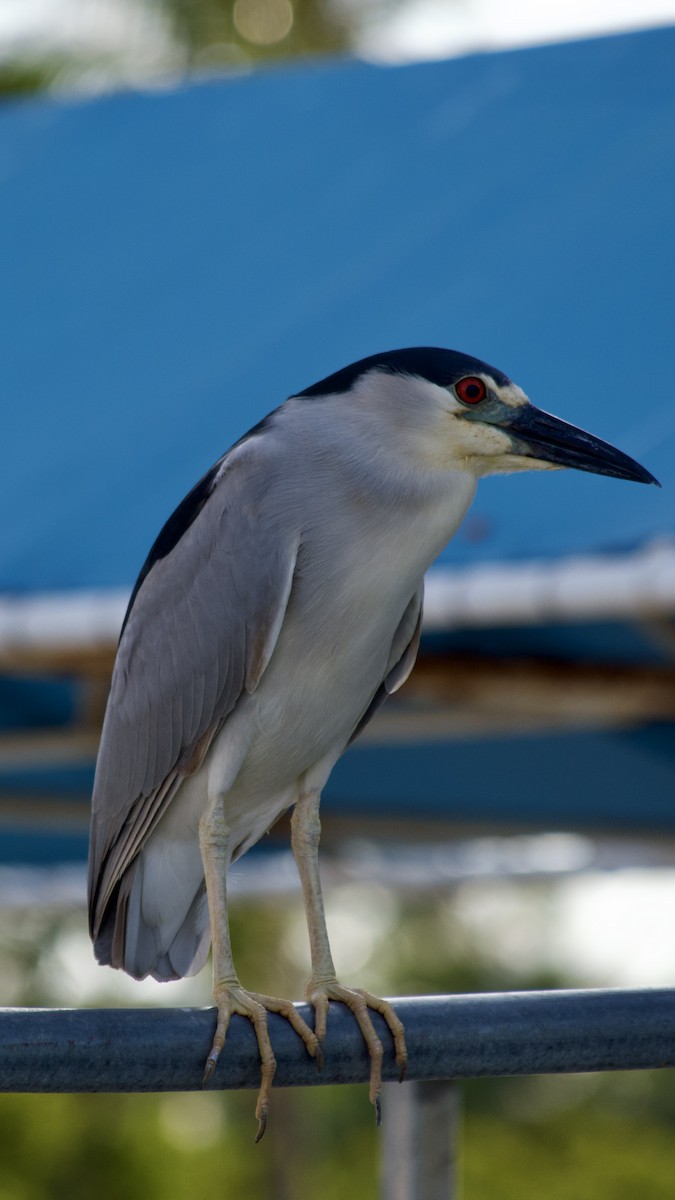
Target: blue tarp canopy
point(175, 263)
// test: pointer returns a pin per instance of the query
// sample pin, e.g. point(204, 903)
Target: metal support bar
point(420, 1139)
point(449, 1037)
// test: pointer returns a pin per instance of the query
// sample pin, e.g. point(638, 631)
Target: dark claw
point(403, 1072)
point(262, 1126)
point(318, 1057)
point(209, 1068)
point(378, 1111)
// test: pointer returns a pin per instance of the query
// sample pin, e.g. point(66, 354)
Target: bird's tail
point(147, 933)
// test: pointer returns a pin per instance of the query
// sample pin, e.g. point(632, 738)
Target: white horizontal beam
point(593, 587)
point(590, 588)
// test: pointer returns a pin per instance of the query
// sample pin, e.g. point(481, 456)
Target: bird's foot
point(359, 1002)
point(233, 998)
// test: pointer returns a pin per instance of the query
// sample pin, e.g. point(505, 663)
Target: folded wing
point(202, 626)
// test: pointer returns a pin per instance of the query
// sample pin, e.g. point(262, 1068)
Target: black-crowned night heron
point(279, 606)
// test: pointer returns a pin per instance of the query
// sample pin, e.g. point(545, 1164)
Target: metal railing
point(449, 1038)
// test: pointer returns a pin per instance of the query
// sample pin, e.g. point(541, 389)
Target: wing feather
point(201, 630)
point(402, 658)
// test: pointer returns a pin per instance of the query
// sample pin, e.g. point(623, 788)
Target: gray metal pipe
point(449, 1037)
point(420, 1141)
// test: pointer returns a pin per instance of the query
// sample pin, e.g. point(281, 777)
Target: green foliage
point(322, 1142)
point(22, 78)
point(211, 33)
point(581, 1155)
point(201, 35)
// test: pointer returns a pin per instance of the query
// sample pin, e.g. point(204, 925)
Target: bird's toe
point(232, 998)
point(395, 1025)
point(285, 1008)
point(359, 1003)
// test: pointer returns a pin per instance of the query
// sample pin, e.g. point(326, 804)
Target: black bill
point(536, 434)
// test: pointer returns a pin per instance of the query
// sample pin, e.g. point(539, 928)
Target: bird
point(279, 606)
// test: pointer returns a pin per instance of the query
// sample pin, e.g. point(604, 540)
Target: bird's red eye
point(470, 390)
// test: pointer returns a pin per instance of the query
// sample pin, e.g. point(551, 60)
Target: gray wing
point(402, 658)
point(203, 623)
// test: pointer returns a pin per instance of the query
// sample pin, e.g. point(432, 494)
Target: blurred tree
point(100, 46)
point(222, 32)
point(167, 38)
point(17, 78)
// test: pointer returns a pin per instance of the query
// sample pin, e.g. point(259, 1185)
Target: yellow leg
point(323, 985)
point(229, 995)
